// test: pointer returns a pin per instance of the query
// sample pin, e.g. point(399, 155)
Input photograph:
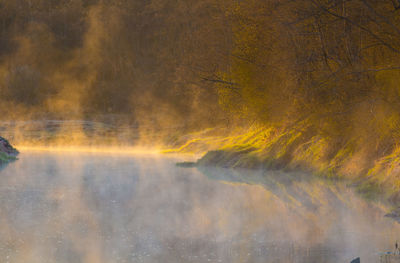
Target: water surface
point(105, 208)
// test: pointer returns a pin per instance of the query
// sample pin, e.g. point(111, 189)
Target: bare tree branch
point(359, 26)
point(384, 18)
point(221, 82)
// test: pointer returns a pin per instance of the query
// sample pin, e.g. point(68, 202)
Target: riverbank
point(296, 149)
point(7, 152)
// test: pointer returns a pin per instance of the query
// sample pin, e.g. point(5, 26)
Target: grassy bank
point(296, 149)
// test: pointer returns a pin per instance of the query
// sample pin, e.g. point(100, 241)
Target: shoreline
point(7, 152)
point(292, 150)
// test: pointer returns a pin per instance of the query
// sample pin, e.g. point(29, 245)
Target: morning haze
point(282, 117)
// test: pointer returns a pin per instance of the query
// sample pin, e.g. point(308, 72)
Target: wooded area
point(329, 66)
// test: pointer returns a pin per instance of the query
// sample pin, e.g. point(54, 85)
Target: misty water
point(99, 207)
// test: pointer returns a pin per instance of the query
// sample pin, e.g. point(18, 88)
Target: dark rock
point(7, 152)
point(7, 148)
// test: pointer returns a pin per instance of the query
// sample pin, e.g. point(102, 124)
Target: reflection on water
point(95, 208)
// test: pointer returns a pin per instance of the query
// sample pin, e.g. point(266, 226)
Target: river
point(113, 208)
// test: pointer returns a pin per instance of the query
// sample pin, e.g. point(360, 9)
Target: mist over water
point(99, 207)
point(70, 133)
point(88, 88)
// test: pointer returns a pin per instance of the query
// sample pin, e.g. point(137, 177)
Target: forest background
point(298, 84)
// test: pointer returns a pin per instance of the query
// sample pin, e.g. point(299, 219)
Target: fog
point(90, 90)
point(173, 67)
point(83, 60)
point(102, 207)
